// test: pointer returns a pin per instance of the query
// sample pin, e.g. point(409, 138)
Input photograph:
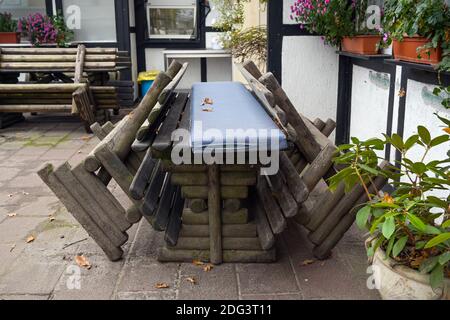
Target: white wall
point(310, 76)
point(287, 11)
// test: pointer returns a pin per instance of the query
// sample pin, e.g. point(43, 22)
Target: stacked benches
point(216, 213)
point(74, 80)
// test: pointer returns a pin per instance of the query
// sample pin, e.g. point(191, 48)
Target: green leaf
point(437, 240)
point(436, 201)
point(419, 168)
point(432, 230)
point(437, 277)
point(390, 246)
point(416, 222)
point(388, 227)
point(397, 142)
point(439, 140)
point(399, 246)
point(411, 142)
point(369, 169)
point(362, 216)
point(424, 134)
point(444, 120)
point(428, 265)
point(446, 224)
point(444, 258)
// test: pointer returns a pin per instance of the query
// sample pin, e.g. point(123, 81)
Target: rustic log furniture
point(74, 80)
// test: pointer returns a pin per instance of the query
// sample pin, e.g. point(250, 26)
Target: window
point(22, 8)
point(91, 20)
point(171, 19)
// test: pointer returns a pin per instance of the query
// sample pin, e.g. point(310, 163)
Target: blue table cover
point(234, 107)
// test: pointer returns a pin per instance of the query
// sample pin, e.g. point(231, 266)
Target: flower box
point(9, 37)
point(366, 44)
point(407, 50)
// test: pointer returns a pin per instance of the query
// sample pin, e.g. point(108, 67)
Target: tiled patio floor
point(43, 269)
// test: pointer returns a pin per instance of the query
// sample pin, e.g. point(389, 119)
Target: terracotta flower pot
point(361, 44)
point(407, 50)
point(9, 37)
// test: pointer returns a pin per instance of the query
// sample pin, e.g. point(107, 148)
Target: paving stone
point(218, 284)
point(163, 294)
point(97, 283)
point(24, 297)
point(263, 297)
point(41, 206)
point(148, 241)
point(9, 253)
point(10, 197)
point(17, 229)
point(30, 180)
point(12, 145)
point(8, 173)
point(32, 274)
point(143, 274)
point(57, 154)
point(268, 278)
point(35, 151)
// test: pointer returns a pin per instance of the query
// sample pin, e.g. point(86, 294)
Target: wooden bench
point(62, 71)
point(83, 188)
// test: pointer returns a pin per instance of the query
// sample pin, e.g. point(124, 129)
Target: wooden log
point(79, 69)
point(36, 108)
point(321, 208)
point(238, 217)
point(133, 214)
point(251, 67)
point(232, 205)
point(286, 201)
point(40, 88)
point(167, 165)
point(265, 234)
point(57, 51)
point(90, 204)
point(319, 167)
point(228, 244)
point(56, 58)
point(228, 231)
point(167, 92)
point(142, 177)
point(330, 222)
point(282, 116)
point(162, 213)
point(214, 212)
point(104, 197)
point(276, 219)
point(323, 251)
point(229, 256)
point(319, 124)
point(330, 125)
point(309, 138)
point(295, 184)
point(197, 205)
point(83, 106)
point(198, 192)
point(174, 226)
point(150, 203)
point(226, 179)
point(113, 252)
point(123, 135)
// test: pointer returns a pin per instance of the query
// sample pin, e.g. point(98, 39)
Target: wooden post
point(79, 69)
point(214, 210)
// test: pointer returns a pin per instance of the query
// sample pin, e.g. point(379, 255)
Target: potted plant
point(419, 29)
point(8, 29)
point(410, 228)
point(43, 30)
point(342, 24)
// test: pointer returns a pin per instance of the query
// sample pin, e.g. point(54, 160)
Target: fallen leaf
point(162, 286)
point(12, 215)
point(30, 239)
point(83, 262)
point(52, 219)
point(447, 130)
point(208, 101)
point(86, 138)
point(10, 195)
point(402, 93)
point(12, 248)
point(80, 152)
point(191, 280)
point(208, 268)
point(208, 110)
point(198, 263)
point(308, 262)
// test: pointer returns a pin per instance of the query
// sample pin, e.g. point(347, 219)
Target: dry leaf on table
point(207, 101)
point(83, 262)
point(30, 239)
point(162, 286)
